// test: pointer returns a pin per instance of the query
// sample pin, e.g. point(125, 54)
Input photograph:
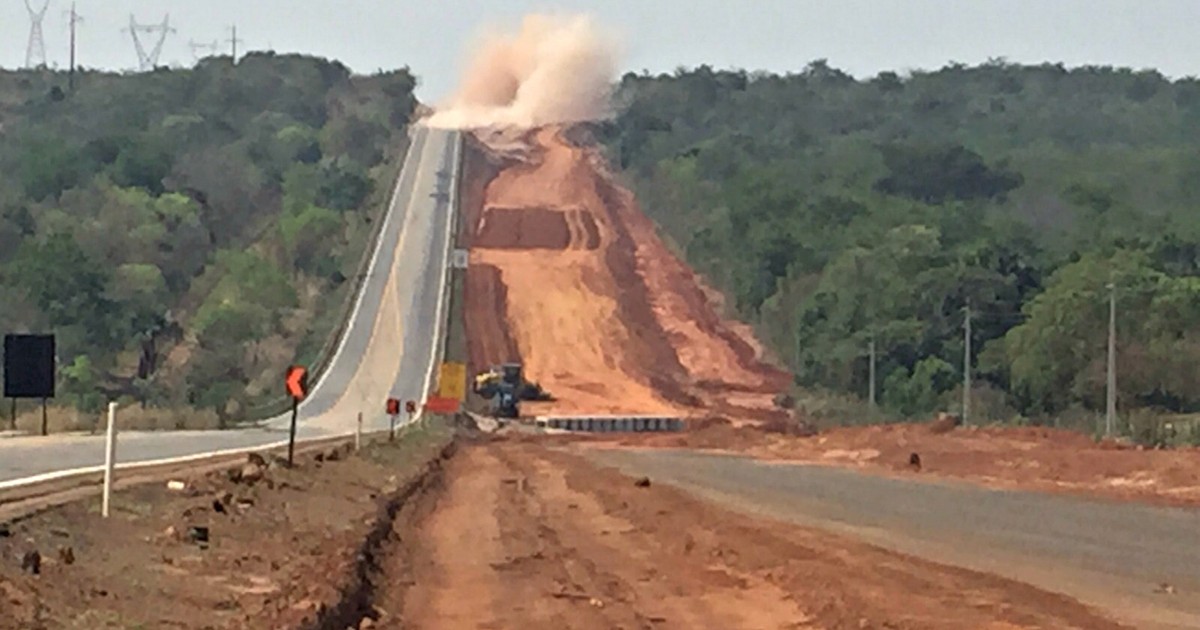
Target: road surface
point(1110, 555)
point(386, 351)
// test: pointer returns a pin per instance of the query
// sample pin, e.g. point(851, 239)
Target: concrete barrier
point(612, 424)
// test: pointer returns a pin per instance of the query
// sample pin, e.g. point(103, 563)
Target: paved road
point(1110, 555)
point(387, 350)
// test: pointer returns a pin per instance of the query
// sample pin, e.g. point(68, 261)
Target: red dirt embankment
point(568, 276)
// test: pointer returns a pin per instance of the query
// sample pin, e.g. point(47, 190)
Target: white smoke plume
point(553, 70)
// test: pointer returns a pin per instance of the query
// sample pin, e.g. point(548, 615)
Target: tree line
point(838, 212)
point(180, 230)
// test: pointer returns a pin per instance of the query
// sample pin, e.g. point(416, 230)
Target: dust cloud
point(555, 69)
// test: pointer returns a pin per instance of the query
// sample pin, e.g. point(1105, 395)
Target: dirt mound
point(487, 334)
point(601, 312)
point(523, 228)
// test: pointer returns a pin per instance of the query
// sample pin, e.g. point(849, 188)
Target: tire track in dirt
point(664, 590)
point(458, 540)
point(522, 536)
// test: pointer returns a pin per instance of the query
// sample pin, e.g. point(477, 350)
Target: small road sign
point(410, 407)
point(297, 382)
point(297, 388)
point(393, 407)
point(459, 259)
point(452, 381)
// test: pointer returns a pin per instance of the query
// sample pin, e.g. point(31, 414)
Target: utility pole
point(1110, 415)
point(966, 401)
point(234, 41)
point(72, 21)
point(35, 52)
point(871, 385)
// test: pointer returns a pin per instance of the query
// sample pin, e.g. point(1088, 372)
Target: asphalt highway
point(1114, 556)
point(387, 350)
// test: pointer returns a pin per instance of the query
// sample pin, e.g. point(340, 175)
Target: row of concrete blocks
point(621, 424)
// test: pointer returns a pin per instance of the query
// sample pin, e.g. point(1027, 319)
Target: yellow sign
point(452, 381)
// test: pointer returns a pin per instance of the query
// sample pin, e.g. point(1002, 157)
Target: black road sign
point(29, 366)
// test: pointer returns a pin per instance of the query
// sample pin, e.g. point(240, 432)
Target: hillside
point(188, 233)
point(836, 211)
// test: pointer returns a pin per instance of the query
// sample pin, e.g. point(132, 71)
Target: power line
point(197, 47)
point(35, 52)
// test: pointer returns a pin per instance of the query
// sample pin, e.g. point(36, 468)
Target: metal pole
point(1110, 414)
point(391, 427)
point(45, 421)
point(110, 456)
point(358, 434)
point(966, 401)
point(292, 434)
point(13, 418)
point(74, 21)
point(871, 393)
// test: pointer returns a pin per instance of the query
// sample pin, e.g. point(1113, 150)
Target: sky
point(862, 37)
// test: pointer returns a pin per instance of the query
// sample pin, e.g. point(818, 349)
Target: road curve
point(387, 350)
point(1113, 556)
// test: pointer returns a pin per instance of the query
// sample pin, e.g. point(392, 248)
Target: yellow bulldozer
point(505, 386)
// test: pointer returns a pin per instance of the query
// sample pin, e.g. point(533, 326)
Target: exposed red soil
point(523, 228)
point(284, 551)
point(521, 536)
point(604, 316)
point(614, 322)
point(490, 343)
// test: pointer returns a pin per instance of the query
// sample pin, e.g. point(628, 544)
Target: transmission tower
point(149, 61)
point(201, 50)
point(35, 54)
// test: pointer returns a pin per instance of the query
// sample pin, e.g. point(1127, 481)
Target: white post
point(110, 456)
point(358, 434)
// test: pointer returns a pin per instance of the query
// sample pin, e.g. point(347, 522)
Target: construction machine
point(505, 386)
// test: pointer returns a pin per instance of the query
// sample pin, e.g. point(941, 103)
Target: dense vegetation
point(182, 230)
point(837, 211)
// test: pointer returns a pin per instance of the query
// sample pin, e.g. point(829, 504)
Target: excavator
point(505, 386)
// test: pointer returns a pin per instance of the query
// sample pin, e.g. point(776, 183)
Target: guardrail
point(612, 424)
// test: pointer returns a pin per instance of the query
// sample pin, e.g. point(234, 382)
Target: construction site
point(573, 300)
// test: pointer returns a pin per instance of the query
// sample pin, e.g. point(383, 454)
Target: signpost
point(29, 370)
point(459, 259)
point(297, 387)
point(452, 381)
point(393, 410)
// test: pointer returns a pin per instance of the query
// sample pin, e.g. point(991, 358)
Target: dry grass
point(133, 418)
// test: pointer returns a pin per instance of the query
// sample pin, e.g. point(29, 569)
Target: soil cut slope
point(568, 276)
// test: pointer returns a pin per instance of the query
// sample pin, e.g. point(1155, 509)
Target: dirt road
point(520, 536)
point(568, 276)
